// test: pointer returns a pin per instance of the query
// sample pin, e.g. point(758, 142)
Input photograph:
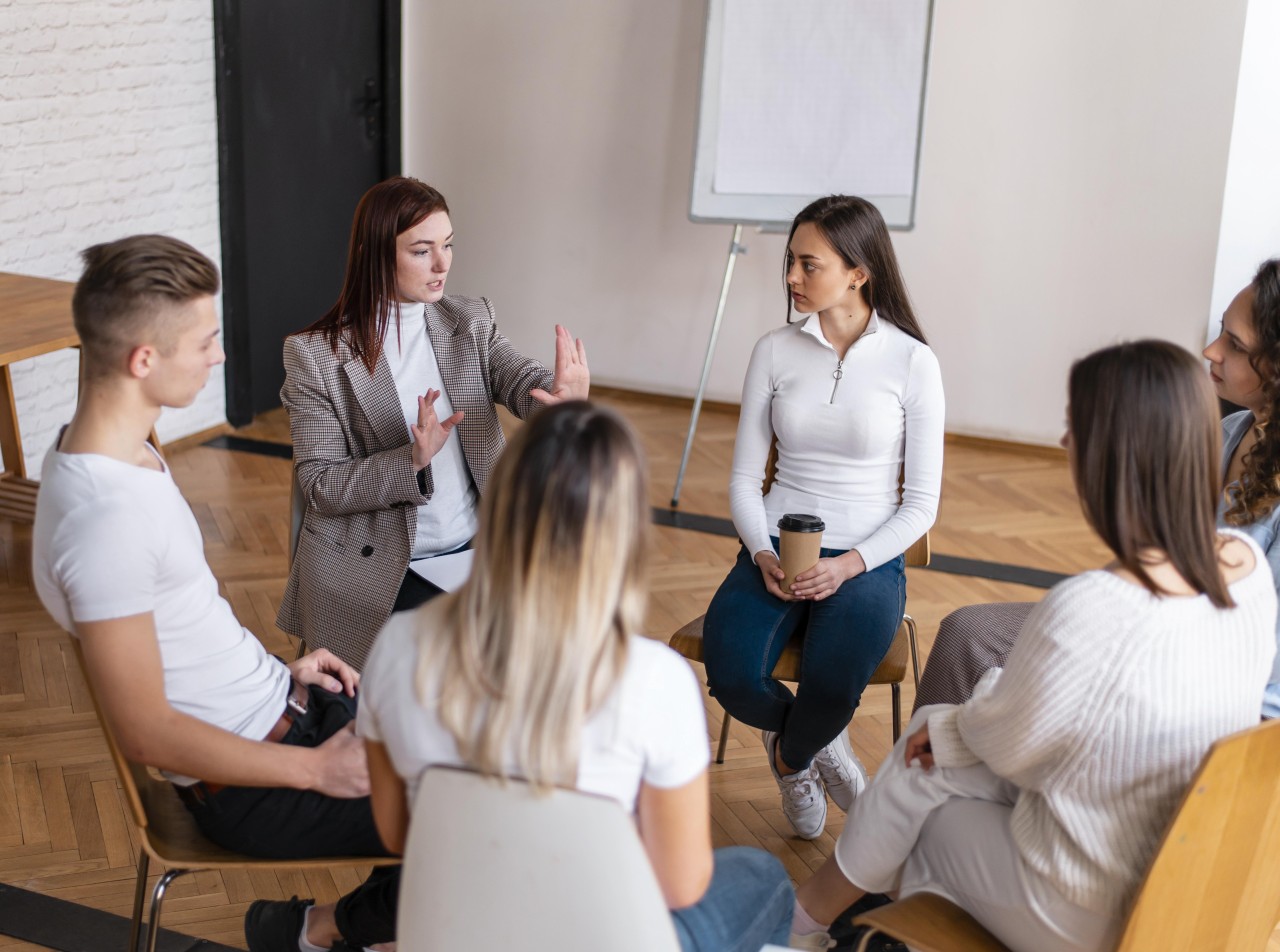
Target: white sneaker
point(804, 802)
point(812, 941)
point(841, 771)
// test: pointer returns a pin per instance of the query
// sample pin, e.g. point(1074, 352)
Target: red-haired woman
point(391, 398)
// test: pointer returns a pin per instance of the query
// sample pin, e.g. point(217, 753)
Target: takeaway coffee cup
point(799, 545)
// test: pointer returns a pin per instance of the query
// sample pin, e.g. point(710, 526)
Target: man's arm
point(122, 662)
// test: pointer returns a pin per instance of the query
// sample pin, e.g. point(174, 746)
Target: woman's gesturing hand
point(919, 748)
point(773, 575)
point(430, 432)
point(828, 575)
point(572, 378)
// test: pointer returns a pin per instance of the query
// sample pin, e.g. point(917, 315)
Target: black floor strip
point(952, 565)
point(71, 927)
point(715, 525)
point(244, 445)
point(995, 571)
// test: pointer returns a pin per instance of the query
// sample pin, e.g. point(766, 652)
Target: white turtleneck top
point(449, 519)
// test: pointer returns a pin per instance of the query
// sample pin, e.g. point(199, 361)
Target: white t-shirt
point(842, 442)
point(449, 519)
point(652, 728)
point(113, 540)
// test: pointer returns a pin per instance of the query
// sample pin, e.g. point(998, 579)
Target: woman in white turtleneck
point(391, 398)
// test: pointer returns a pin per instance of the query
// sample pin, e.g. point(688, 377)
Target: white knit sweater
point(1104, 710)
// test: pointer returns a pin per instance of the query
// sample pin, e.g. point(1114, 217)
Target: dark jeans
point(845, 637)
point(283, 823)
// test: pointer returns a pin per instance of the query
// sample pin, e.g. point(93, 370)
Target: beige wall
point(1070, 191)
point(1250, 230)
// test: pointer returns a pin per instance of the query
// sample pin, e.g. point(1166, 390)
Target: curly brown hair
point(1259, 488)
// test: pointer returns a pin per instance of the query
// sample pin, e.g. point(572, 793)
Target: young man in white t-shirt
point(262, 753)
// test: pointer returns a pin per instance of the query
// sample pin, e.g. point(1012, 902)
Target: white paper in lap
point(820, 96)
point(446, 572)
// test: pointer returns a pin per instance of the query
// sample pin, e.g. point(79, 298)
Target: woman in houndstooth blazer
point(391, 398)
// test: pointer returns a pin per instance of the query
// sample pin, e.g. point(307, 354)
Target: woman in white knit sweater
point(852, 395)
point(1039, 803)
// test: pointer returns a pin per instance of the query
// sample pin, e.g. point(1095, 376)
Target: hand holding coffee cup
point(799, 545)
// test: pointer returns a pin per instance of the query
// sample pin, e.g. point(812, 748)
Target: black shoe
point(847, 936)
point(274, 926)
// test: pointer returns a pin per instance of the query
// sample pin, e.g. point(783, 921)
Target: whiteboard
point(804, 98)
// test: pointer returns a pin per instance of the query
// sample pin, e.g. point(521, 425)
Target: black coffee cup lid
point(801, 522)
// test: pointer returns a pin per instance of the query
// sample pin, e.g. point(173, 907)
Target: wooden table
point(35, 319)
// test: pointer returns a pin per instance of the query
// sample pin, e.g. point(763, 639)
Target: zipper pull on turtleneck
point(838, 374)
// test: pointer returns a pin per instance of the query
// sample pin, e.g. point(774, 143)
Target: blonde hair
point(535, 640)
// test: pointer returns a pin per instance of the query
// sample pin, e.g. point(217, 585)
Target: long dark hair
point(363, 308)
point(1259, 489)
point(1146, 447)
point(856, 230)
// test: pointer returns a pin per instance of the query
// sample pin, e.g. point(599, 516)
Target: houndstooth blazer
point(353, 461)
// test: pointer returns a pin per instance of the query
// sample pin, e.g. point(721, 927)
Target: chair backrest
point(491, 865)
point(1215, 881)
point(134, 778)
point(918, 553)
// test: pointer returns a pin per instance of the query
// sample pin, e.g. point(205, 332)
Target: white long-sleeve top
point(1104, 710)
point(841, 442)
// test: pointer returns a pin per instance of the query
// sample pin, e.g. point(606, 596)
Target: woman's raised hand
point(430, 432)
point(572, 378)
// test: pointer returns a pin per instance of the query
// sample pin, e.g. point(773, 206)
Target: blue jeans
point(845, 637)
point(749, 903)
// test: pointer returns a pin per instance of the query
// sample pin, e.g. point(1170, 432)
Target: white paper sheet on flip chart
point(445, 571)
point(820, 96)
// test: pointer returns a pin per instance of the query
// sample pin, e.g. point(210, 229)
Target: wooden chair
point(566, 871)
point(1214, 885)
point(168, 833)
point(892, 670)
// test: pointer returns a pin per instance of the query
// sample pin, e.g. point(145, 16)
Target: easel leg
point(735, 248)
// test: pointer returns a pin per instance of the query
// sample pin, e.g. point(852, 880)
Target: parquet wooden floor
point(63, 829)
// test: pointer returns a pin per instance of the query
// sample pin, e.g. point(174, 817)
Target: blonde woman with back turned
point(533, 670)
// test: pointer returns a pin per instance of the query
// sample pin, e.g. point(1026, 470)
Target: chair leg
point(915, 651)
point(139, 894)
point(897, 710)
point(724, 737)
point(157, 899)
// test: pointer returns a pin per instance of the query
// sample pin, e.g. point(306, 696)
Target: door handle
point(372, 107)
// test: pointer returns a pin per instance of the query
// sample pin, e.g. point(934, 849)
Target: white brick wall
point(108, 127)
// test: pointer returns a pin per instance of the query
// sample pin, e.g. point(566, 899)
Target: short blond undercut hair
point(123, 290)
